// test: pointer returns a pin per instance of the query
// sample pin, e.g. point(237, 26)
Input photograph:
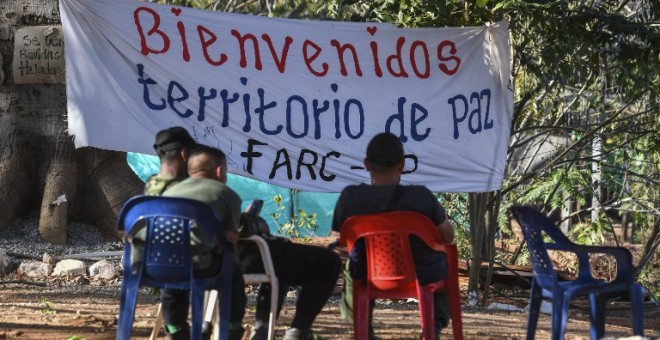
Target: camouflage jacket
point(155, 186)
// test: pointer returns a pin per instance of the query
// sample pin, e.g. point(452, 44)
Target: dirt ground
point(79, 308)
point(82, 310)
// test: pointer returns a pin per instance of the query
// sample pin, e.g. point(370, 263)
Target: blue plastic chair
point(545, 283)
point(167, 257)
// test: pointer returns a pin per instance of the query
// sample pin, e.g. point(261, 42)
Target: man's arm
point(231, 236)
point(231, 215)
point(446, 231)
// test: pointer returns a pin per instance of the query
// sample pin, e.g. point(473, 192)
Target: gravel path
point(21, 240)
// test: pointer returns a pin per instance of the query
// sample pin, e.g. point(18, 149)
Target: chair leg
point(274, 302)
point(597, 305)
point(211, 312)
point(360, 311)
point(535, 300)
point(126, 311)
point(225, 303)
point(560, 304)
point(454, 295)
point(197, 308)
point(637, 305)
point(426, 312)
point(158, 323)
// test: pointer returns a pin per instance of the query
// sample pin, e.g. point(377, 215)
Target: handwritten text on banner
point(291, 102)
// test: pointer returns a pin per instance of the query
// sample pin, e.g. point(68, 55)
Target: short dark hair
point(216, 155)
point(385, 149)
point(173, 139)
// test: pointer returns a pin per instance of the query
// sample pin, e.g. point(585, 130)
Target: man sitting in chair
point(174, 147)
point(385, 163)
point(314, 269)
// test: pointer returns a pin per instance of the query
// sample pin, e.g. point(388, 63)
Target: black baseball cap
point(173, 138)
point(385, 149)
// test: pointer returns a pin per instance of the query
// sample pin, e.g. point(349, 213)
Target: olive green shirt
point(225, 202)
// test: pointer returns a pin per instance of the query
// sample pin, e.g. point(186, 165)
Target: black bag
point(252, 225)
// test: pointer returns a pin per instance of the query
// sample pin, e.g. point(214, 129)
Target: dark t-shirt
point(372, 199)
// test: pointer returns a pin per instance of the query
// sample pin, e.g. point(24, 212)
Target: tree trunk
point(16, 187)
point(483, 207)
point(477, 206)
point(38, 162)
point(624, 226)
point(59, 190)
point(106, 183)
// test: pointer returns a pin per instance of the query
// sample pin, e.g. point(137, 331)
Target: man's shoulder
point(417, 188)
point(356, 188)
point(417, 194)
point(156, 184)
point(183, 185)
point(366, 188)
point(201, 185)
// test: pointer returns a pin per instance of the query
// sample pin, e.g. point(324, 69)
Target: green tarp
point(249, 189)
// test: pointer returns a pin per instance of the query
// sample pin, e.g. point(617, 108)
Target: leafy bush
point(298, 225)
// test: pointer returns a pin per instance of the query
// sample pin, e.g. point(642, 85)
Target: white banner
point(291, 102)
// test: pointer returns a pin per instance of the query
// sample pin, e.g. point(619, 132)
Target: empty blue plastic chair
point(167, 256)
point(545, 283)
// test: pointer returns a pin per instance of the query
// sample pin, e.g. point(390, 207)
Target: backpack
point(252, 225)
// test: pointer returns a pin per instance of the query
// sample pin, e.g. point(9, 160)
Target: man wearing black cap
point(385, 163)
point(174, 146)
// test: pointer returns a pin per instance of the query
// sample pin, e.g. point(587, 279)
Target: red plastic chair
point(391, 271)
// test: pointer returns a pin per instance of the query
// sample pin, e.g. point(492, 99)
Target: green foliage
point(590, 234)
point(462, 240)
point(649, 277)
point(274, 8)
point(542, 190)
point(411, 13)
point(298, 225)
point(456, 208)
point(46, 306)
point(524, 258)
point(75, 337)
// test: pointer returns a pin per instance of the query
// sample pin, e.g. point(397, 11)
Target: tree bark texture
point(483, 226)
point(38, 162)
